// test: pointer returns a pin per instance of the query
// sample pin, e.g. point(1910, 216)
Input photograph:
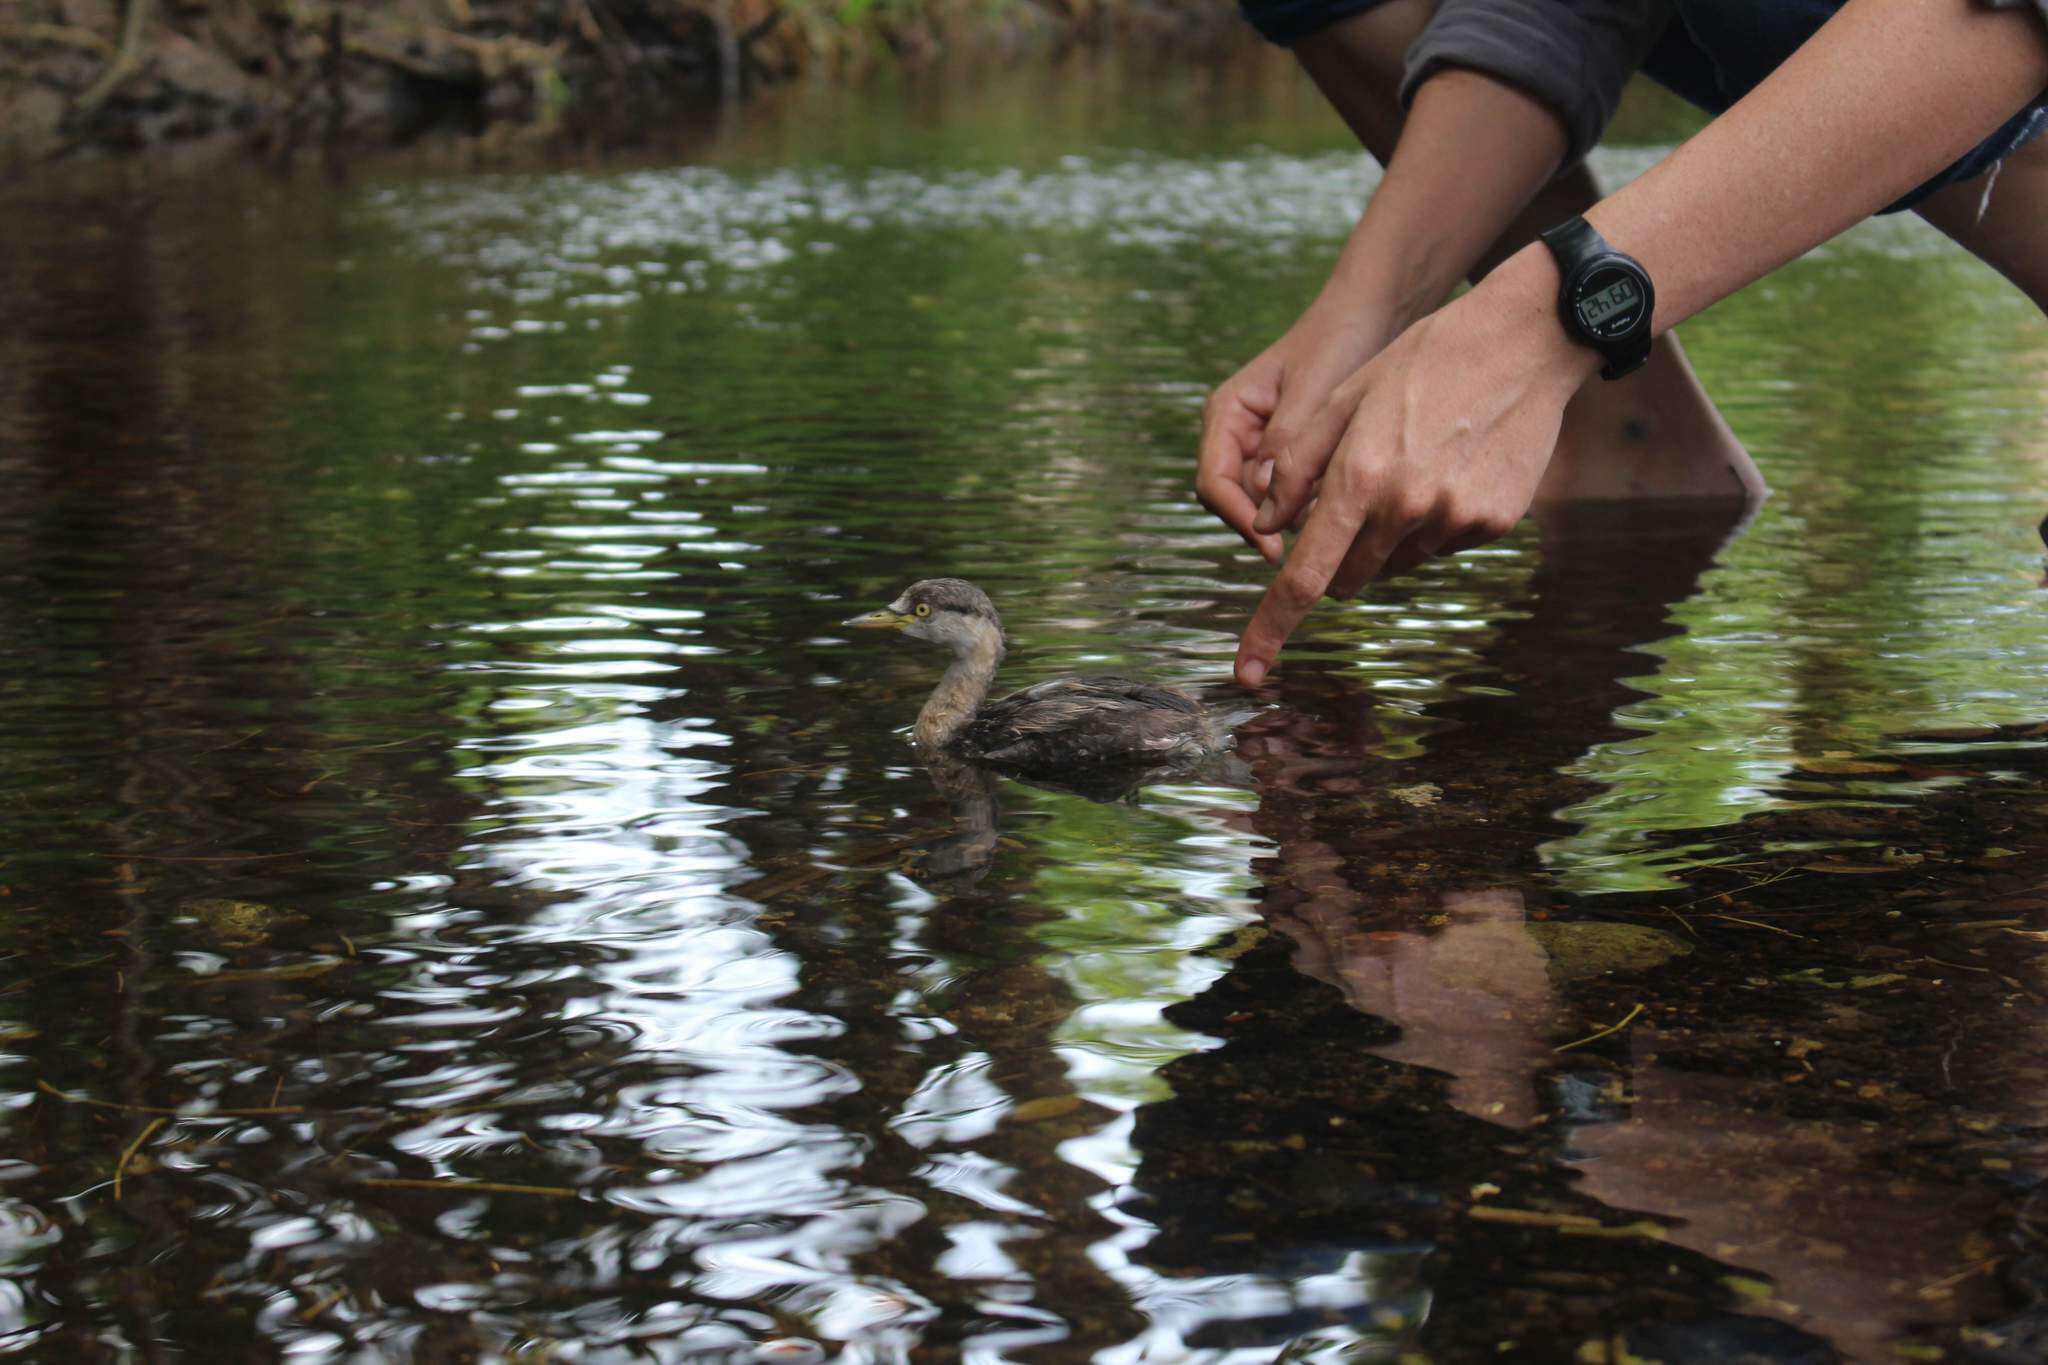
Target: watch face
point(1611, 301)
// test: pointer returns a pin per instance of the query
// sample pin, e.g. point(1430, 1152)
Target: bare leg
point(2003, 221)
point(1654, 434)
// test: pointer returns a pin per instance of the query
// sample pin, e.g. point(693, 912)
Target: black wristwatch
point(1606, 299)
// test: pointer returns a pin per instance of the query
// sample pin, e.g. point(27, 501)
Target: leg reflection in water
point(1441, 1121)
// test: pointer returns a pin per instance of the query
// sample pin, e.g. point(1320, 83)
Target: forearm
point(1885, 95)
point(1473, 152)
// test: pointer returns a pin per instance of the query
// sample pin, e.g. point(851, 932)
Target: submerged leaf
point(1049, 1107)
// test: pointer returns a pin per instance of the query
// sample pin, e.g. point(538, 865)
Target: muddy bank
point(140, 73)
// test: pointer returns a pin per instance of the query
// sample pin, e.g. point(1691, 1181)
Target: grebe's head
point(949, 611)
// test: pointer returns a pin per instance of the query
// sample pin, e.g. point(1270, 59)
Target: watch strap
point(1572, 243)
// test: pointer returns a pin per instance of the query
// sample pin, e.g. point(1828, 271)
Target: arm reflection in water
point(1434, 936)
point(1449, 1090)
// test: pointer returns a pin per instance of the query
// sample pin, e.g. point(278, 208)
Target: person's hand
point(1435, 445)
point(1261, 410)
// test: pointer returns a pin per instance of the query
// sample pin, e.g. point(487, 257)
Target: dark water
point(461, 897)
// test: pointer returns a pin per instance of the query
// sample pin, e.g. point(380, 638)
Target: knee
point(1357, 62)
point(2002, 219)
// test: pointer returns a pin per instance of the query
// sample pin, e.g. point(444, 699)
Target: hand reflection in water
point(1472, 998)
point(1421, 919)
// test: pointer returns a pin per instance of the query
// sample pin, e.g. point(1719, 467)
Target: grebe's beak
point(885, 619)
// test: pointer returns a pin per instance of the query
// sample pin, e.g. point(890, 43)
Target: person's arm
point(1440, 441)
point(1472, 153)
point(1515, 90)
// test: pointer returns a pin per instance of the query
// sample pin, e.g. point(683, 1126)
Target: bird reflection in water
point(971, 792)
point(970, 795)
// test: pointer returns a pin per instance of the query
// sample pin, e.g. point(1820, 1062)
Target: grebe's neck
point(961, 692)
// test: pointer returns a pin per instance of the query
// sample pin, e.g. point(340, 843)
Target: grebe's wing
point(1098, 718)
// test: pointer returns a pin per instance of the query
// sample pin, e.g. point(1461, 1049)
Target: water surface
point(461, 895)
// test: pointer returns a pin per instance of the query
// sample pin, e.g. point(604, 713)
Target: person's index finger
point(1317, 555)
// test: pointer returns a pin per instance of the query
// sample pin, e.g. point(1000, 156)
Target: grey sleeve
point(1574, 55)
point(2039, 6)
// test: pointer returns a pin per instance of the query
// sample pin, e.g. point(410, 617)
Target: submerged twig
point(1759, 924)
point(1959, 966)
point(265, 1111)
point(129, 56)
point(780, 884)
point(323, 1305)
point(200, 858)
point(467, 1186)
point(121, 1166)
point(1529, 1218)
point(1950, 1281)
point(1616, 1027)
point(62, 35)
point(1782, 874)
point(290, 971)
point(1570, 1224)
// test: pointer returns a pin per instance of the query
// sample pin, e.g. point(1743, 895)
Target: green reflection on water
point(1890, 389)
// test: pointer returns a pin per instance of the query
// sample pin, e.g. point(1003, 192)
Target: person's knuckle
point(1297, 590)
point(1494, 524)
point(1408, 506)
point(1347, 481)
point(1464, 515)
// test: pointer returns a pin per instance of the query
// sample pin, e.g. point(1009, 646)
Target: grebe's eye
point(924, 609)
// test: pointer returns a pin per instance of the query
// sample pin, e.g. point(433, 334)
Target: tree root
point(58, 35)
point(134, 23)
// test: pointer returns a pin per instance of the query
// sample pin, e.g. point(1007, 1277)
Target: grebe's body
point(1094, 721)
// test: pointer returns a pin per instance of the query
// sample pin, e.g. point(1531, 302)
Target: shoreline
point(130, 76)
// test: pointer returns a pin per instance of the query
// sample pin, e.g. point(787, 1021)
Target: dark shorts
point(1713, 54)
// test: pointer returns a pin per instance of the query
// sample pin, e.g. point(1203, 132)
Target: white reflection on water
point(626, 823)
point(620, 826)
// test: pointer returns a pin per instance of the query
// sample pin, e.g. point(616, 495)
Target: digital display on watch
point(1609, 303)
point(1605, 298)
